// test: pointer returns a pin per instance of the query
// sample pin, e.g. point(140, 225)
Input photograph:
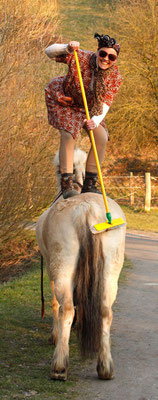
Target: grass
point(140, 220)
point(83, 19)
point(25, 355)
point(127, 267)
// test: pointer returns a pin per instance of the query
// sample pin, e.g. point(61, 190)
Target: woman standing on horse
point(101, 79)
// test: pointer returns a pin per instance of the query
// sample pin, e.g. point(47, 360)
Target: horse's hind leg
point(105, 362)
point(55, 308)
point(64, 294)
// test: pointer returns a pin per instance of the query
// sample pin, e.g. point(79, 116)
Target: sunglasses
point(103, 54)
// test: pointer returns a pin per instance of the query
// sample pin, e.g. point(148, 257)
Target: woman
point(101, 79)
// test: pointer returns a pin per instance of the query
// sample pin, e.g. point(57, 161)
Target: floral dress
point(63, 94)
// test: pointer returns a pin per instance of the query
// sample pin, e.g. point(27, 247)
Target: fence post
point(147, 191)
point(131, 189)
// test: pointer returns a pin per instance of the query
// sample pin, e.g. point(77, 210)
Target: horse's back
point(82, 205)
point(75, 212)
point(64, 219)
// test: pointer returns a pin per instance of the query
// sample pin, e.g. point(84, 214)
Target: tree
point(133, 120)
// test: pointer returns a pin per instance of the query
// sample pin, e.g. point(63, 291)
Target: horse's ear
point(56, 159)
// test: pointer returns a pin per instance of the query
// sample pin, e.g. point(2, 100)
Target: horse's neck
point(79, 174)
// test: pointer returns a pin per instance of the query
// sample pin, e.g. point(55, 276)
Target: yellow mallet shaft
point(92, 137)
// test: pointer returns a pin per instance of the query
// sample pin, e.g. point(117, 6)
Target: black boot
point(67, 186)
point(89, 184)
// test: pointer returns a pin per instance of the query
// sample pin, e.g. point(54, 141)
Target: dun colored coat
point(82, 268)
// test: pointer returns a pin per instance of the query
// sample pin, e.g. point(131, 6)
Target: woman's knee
point(67, 137)
point(101, 136)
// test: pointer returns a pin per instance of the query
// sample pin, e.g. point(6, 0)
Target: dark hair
point(107, 41)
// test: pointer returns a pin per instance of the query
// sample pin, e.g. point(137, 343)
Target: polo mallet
point(109, 224)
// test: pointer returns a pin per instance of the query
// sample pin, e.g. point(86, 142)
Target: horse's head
point(80, 157)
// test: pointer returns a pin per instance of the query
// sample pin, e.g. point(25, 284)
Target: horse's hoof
point(104, 372)
point(59, 375)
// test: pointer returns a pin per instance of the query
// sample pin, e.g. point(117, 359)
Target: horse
point(83, 269)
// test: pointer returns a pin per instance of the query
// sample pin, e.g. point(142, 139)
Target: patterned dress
point(63, 94)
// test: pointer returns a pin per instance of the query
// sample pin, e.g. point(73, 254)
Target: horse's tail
point(89, 288)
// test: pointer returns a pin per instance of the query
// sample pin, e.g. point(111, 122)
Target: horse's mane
point(80, 157)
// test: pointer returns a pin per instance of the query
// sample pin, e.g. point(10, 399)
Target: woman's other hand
point(89, 124)
point(73, 46)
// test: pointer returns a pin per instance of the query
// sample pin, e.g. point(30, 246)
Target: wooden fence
point(140, 190)
point(137, 190)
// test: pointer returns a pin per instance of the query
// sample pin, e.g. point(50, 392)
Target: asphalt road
point(140, 246)
point(134, 330)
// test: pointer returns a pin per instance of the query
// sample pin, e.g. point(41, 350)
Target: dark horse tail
point(89, 289)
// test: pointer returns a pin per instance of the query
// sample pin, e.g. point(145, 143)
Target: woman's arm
point(58, 49)
point(96, 119)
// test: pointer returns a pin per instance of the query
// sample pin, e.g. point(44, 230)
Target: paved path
point(134, 330)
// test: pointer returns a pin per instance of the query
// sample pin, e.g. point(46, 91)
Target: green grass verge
point(127, 267)
point(140, 220)
point(24, 350)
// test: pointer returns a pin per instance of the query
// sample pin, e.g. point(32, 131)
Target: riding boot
point(89, 184)
point(67, 186)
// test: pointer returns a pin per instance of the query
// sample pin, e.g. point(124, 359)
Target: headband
point(107, 41)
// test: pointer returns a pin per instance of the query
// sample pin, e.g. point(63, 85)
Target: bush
point(25, 140)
